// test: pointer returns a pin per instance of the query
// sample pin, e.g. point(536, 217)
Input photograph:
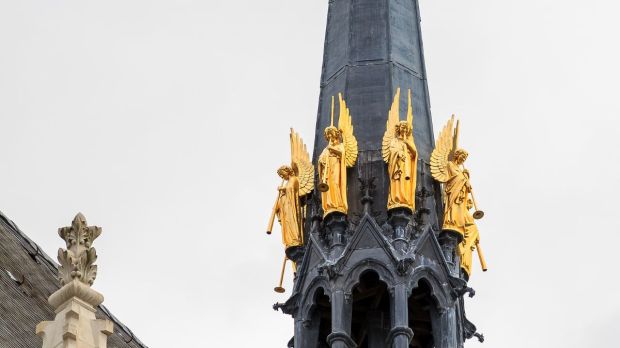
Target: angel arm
point(411, 146)
point(467, 181)
point(336, 150)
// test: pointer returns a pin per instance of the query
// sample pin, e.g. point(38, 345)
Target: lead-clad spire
point(374, 266)
point(373, 48)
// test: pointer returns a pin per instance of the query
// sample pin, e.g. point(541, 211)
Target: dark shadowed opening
point(370, 323)
point(322, 318)
point(419, 305)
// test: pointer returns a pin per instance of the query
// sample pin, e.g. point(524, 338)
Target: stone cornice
point(75, 289)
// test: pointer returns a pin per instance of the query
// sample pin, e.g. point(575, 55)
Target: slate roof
point(27, 277)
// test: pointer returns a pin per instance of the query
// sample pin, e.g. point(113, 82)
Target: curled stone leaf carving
point(77, 262)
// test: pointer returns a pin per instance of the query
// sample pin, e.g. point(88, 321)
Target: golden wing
point(346, 128)
point(301, 164)
point(442, 152)
point(390, 126)
point(410, 115)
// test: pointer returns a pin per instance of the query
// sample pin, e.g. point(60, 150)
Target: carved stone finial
point(75, 324)
point(77, 261)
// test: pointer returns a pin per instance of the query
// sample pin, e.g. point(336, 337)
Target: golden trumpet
point(483, 262)
point(273, 211)
point(323, 187)
point(279, 289)
point(478, 214)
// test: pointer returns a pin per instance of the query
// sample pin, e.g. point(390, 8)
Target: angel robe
point(457, 188)
point(335, 199)
point(288, 210)
point(466, 248)
point(403, 170)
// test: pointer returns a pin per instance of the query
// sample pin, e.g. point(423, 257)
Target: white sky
point(164, 122)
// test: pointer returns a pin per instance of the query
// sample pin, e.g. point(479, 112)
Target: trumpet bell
point(279, 289)
point(323, 187)
point(479, 214)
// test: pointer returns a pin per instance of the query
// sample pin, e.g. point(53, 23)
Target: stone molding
point(398, 331)
point(341, 337)
point(75, 289)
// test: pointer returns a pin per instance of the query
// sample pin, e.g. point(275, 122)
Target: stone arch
point(368, 292)
point(438, 290)
point(308, 300)
point(316, 315)
point(426, 301)
point(353, 278)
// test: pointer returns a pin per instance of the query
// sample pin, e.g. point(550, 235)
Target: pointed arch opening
point(319, 325)
point(370, 324)
point(421, 307)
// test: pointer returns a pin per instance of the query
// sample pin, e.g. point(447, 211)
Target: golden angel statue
point(340, 154)
point(297, 181)
point(401, 155)
point(447, 167)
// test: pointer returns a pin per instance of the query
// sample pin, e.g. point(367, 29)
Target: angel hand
point(397, 174)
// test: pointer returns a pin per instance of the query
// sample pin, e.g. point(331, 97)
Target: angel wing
point(301, 164)
point(443, 150)
point(346, 128)
point(390, 126)
point(410, 115)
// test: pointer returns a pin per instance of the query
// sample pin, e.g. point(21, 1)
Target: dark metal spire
point(372, 48)
point(372, 277)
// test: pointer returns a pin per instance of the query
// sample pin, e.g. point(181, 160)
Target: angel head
point(460, 156)
point(332, 135)
point(403, 129)
point(285, 172)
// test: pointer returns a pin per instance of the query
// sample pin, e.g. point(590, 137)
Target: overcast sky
point(164, 122)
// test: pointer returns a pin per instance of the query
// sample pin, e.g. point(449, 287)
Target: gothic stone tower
point(372, 278)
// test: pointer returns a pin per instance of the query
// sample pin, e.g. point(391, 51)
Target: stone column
point(445, 322)
point(445, 331)
point(341, 321)
point(299, 329)
point(75, 325)
point(399, 218)
point(449, 241)
point(400, 334)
